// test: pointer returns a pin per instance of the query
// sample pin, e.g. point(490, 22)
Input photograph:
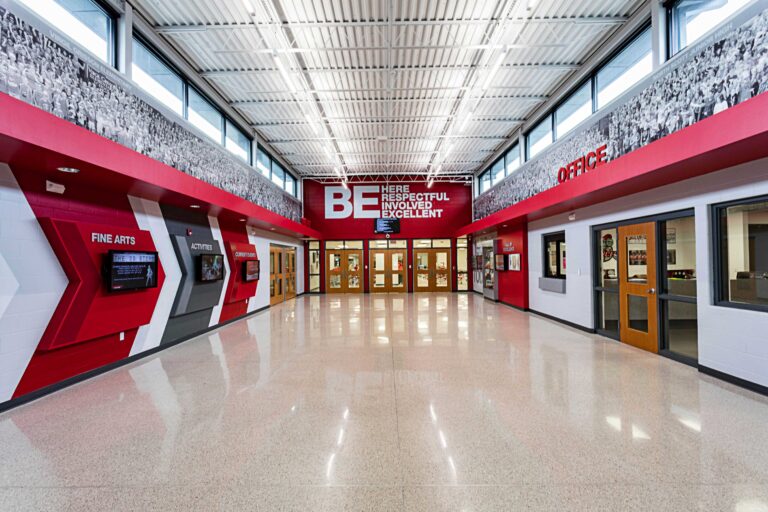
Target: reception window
point(554, 255)
point(742, 253)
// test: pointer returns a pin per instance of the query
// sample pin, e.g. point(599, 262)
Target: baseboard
point(564, 322)
point(522, 310)
point(58, 386)
point(751, 386)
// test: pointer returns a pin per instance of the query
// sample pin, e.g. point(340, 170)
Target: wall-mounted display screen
point(211, 267)
point(386, 226)
point(251, 270)
point(131, 270)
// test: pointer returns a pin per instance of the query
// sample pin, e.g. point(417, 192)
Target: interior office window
point(540, 137)
point(574, 110)
point(202, 114)
point(155, 77)
point(497, 171)
point(690, 20)
point(85, 21)
point(513, 159)
point(237, 142)
point(743, 253)
point(278, 174)
point(290, 184)
point(263, 163)
point(462, 264)
point(627, 68)
point(554, 255)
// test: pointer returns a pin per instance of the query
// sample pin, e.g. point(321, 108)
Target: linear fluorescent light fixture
point(249, 7)
point(283, 72)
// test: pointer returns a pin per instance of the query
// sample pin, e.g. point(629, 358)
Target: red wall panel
point(513, 285)
point(237, 250)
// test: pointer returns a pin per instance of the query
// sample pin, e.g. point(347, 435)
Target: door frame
point(658, 219)
point(344, 280)
point(432, 251)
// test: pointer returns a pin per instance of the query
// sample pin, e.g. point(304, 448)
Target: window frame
point(559, 238)
point(719, 254)
point(540, 122)
point(143, 41)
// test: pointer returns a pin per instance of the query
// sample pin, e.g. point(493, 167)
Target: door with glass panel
point(289, 272)
point(637, 286)
point(276, 290)
point(432, 270)
point(388, 270)
point(344, 271)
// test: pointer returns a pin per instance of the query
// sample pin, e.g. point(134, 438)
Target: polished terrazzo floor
point(395, 402)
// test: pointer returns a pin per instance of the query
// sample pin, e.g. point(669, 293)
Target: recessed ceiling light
point(271, 229)
point(68, 170)
point(194, 206)
point(243, 220)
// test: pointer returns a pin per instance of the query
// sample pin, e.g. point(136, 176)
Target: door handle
point(652, 291)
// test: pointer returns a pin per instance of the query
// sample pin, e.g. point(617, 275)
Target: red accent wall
point(456, 212)
point(69, 349)
point(238, 291)
point(513, 285)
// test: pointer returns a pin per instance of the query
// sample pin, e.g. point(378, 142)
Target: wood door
point(432, 270)
point(289, 277)
point(637, 286)
point(344, 271)
point(276, 288)
point(388, 270)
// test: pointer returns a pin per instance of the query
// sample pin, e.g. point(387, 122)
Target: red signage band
point(588, 162)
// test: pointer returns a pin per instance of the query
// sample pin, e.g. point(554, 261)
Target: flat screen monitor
point(131, 270)
point(211, 267)
point(251, 270)
point(386, 226)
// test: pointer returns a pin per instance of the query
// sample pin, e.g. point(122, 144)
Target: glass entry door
point(637, 285)
point(432, 270)
point(344, 271)
point(388, 270)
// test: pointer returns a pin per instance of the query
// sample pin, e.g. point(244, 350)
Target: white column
point(125, 41)
point(658, 33)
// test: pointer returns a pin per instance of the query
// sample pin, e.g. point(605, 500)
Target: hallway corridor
point(391, 402)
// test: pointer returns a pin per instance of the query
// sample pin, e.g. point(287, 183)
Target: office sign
point(583, 164)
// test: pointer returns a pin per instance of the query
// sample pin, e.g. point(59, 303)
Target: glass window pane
point(314, 262)
point(204, 116)
point(461, 259)
point(441, 243)
point(744, 253)
point(497, 172)
point(680, 250)
point(609, 255)
point(378, 244)
point(637, 312)
point(314, 244)
point(682, 328)
point(290, 184)
point(637, 259)
point(398, 244)
point(334, 244)
point(609, 312)
point(238, 143)
point(354, 244)
point(160, 81)
point(540, 137)
point(278, 174)
point(422, 243)
point(485, 181)
point(263, 163)
point(82, 20)
point(513, 159)
point(314, 283)
point(554, 256)
point(692, 19)
point(626, 69)
point(574, 110)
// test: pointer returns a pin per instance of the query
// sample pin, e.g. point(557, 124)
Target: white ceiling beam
point(201, 27)
point(251, 103)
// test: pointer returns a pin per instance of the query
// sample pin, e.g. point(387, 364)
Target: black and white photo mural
point(41, 71)
point(720, 72)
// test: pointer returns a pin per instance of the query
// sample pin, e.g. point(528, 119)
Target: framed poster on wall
point(514, 262)
point(501, 262)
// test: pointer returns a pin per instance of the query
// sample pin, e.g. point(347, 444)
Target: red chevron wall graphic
point(87, 310)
